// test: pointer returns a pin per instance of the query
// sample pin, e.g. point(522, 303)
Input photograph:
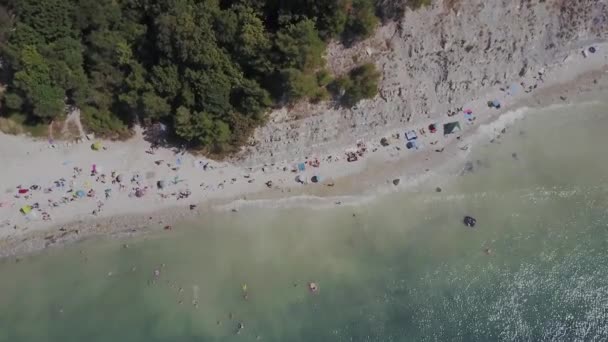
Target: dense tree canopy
point(210, 69)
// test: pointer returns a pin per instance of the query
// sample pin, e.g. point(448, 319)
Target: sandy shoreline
point(227, 186)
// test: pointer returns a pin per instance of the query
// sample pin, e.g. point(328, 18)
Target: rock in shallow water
point(469, 221)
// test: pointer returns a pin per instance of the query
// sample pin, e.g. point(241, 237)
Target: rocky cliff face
point(435, 60)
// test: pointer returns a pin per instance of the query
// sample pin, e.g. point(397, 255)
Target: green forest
point(209, 69)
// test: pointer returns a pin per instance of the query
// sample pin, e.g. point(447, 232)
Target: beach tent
point(301, 166)
point(96, 146)
point(410, 135)
point(80, 194)
point(26, 209)
point(451, 127)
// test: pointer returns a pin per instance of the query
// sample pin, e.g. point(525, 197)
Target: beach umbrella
point(139, 193)
point(119, 178)
point(80, 194)
point(496, 104)
point(23, 191)
point(384, 142)
point(26, 209)
point(315, 179)
point(301, 166)
point(96, 146)
point(160, 184)
point(410, 135)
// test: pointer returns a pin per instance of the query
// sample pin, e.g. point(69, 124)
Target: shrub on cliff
point(361, 83)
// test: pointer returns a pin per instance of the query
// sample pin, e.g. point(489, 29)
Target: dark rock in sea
point(469, 221)
point(438, 189)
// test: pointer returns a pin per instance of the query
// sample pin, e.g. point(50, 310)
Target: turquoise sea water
point(402, 268)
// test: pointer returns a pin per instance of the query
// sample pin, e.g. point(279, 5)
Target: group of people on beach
point(100, 187)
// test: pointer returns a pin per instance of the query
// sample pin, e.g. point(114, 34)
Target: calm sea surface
point(402, 268)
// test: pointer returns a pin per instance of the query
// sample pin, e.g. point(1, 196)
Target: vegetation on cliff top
point(210, 69)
